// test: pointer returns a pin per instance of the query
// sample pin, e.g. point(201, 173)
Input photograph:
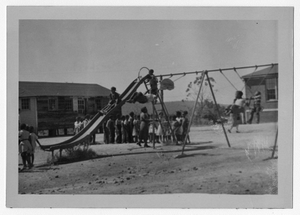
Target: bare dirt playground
point(209, 166)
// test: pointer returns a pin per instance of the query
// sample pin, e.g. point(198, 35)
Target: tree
point(205, 109)
point(210, 111)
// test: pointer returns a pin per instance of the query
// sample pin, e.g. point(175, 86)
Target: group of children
point(80, 123)
point(27, 145)
point(180, 124)
point(128, 128)
point(121, 129)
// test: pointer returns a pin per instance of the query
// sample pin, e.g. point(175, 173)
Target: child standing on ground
point(180, 129)
point(33, 139)
point(160, 128)
point(77, 125)
point(175, 127)
point(130, 127)
point(135, 129)
point(256, 107)
point(118, 128)
point(185, 125)
point(152, 129)
point(236, 109)
point(105, 133)
point(125, 128)
point(110, 124)
point(25, 147)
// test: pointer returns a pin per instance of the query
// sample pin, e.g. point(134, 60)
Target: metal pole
point(153, 120)
point(217, 107)
point(193, 111)
point(161, 91)
point(275, 144)
point(217, 70)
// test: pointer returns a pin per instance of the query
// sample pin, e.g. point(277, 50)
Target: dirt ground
point(208, 166)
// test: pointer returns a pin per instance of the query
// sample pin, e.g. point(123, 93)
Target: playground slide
point(97, 120)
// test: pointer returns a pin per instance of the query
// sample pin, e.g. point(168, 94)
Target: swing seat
point(166, 84)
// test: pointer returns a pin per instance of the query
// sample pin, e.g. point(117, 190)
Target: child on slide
point(141, 98)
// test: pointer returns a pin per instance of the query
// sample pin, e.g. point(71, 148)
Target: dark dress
point(114, 99)
point(144, 127)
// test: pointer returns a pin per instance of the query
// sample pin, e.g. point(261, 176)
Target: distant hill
point(172, 107)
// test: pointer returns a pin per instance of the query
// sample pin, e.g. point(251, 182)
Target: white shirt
point(150, 97)
point(240, 102)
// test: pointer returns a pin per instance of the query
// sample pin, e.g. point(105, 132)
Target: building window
point(65, 103)
point(25, 104)
point(81, 106)
point(69, 104)
point(98, 104)
point(52, 104)
point(42, 104)
point(271, 89)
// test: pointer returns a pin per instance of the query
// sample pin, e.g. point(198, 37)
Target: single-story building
point(266, 82)
point(51, 108)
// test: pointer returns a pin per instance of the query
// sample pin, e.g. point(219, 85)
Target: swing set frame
point(204, 74)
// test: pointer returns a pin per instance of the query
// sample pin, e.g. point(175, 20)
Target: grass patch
point(73, 155)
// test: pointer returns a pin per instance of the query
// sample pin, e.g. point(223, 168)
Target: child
point(152, 130)
point(33, 139)
point(143, 134)
point(114, 99)
point(141, 98)
point(130, 127)
point(160, 130)
point(105, 133)
point(235, 111)
point(170, 131)
point(180, 129)
point(118, 128)
point(135, 130)
point(153, 82)
point(256, 108)
point(167, 130)
point(25, 147)
point(111, 129)
point(175, 126)
point(185, 125)
point(86, 120)
point(125, 129)
point(77, 125)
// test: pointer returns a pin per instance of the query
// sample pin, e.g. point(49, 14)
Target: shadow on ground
point(133, 151)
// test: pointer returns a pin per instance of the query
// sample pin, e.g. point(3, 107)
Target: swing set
point(205, 73)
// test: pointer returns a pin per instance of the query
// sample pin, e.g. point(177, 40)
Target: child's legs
point(24, 158)
point(257, 116)
point(257, 110)
point(146, 139)
point(32, 158)
point(150, 137)
point(253, 110)
point(29, 159)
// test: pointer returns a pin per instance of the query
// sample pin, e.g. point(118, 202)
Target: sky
point(111, 52)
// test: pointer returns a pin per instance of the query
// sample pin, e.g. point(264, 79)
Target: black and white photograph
point(150, 107)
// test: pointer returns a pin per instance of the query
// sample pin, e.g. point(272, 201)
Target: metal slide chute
point(84, 135)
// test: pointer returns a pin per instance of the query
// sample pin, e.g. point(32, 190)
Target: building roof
point(261, 73)
point(32, 89)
